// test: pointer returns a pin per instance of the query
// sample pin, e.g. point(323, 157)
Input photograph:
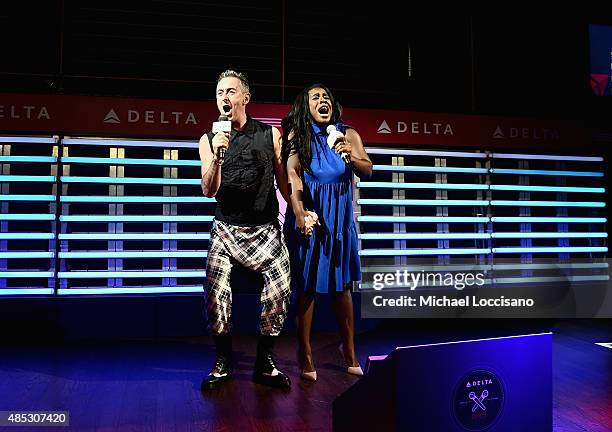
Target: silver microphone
point(331, 142)
point(222, 125)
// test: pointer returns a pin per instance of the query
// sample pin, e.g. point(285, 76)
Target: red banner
point(125, 117)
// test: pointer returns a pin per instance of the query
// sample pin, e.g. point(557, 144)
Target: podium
point(498, 384)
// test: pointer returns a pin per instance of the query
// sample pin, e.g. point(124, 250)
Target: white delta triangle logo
point(384, 128)
point(111, 117)
point(498, 133)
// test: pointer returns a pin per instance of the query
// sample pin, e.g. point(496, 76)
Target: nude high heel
point(353, 370)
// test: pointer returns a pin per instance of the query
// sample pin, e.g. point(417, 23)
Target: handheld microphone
point(222, 125)
point(331, 142)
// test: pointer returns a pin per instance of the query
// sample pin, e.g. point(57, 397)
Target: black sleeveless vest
point(247, 196)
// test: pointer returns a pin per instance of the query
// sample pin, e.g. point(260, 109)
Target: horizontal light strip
point(134, 236)
point(27, 178)
point(97, 274)
point(27, 198)
point(26, 274)
point(525, 203)
point(134, 218)
point(132, 290)
point(552, 279)
point(130, 143)
point(132, 180)
point(135, 254)
point(549, 235)
point(546, 157)
point(27, 236)
point(549, 249)
point(416, 202)
point(423, 236)
point(502, 267)
point(404, 252)
point(546, 188)
point(26, 291)
point(34, 159)
point(136, 199)
point(26, 216)
point(400, 152)
point(417, 268)
point(391, 185)
point(26, 255)
point(128, 161)
point(549, 219)
point(27, 140)
point(547, 172)
point(416, 168)
point(429, 219)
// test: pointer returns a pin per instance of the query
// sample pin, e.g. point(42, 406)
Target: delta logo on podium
point(478, 400)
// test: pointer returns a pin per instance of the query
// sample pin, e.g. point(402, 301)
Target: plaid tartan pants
point(259, 248)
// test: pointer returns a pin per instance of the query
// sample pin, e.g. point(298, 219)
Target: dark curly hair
point(297, 125)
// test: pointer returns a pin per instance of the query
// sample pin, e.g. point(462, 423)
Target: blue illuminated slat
point(136, 236)
point(549, 249)
point(405, 252)
point(26, 274)
point(418, 267)
point(546, 157)
point(423, 236)
point(28, 140)
point(135, 254)
point(132, 290)
point(26, 255)
point(128, 161)
point(34, 159)
point(430, 219)
point(547, 188)
point(416, 202)
point(415, 168)
point(137, 199)
point(402, 152)
point(26, 291)
point(549, 235)
point(522, 219)
point(130, 143)
point(25, 216)
point(130, 180)
point(547, 172)
point(525, 203)
point(97, 274)
point(124, 218)
point(549, 266)
point(541, 279)
point(391, 185)
point(27, 198)
point(27, 178)
point(28, 236)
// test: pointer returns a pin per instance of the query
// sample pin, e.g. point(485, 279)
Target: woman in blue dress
point(321, 154)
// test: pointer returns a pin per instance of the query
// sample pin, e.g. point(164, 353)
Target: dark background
point(509, 61)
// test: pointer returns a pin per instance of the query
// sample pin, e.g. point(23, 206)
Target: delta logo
point(530, 133)
point(416, 128)
point(150, 117)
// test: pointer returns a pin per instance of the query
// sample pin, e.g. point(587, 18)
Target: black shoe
point(222, 370)
point(266, 372)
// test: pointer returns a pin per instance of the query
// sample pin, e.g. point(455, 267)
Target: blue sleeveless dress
point(329, 258)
